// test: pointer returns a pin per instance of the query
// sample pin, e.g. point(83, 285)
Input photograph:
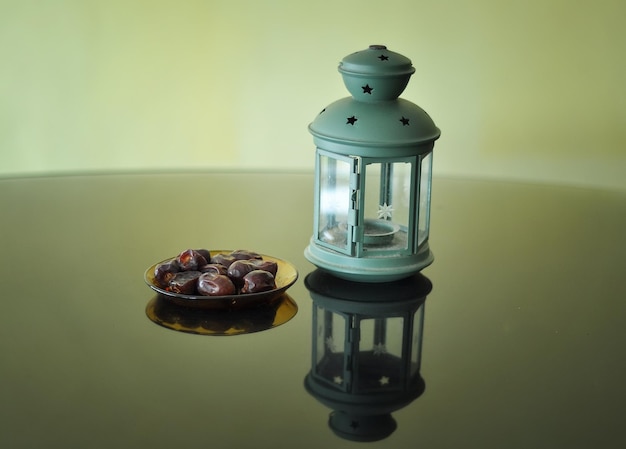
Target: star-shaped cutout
point(338, 380)
point(367, 89)
point(383, 57)
point(380, 349)
point(385, 211)
point(351, 120)
point(384, 380)
point(405, 121)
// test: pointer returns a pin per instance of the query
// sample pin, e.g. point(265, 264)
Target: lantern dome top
point(388, 129)
point(376, 73)
point(374, 122)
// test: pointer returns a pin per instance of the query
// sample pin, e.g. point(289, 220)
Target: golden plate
point(286, 276)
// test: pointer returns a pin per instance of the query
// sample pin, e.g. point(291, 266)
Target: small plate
point(286, 276)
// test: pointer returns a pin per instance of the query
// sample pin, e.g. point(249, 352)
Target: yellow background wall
point(531, 90)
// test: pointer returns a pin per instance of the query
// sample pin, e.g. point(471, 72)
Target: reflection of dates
point(197, 272)
point(212, 321)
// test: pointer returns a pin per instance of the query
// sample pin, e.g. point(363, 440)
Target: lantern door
point(336, 202)
point(388, 207)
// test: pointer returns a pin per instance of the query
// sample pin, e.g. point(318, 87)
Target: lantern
point(366, 351)
point(372, 174)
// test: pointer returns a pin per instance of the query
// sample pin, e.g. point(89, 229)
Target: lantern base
point(368, 269)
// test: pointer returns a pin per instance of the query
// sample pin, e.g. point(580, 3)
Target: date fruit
point(258, 281)
point(210, 284)
point(266, 265)
point(165, 271)
point(197, 272)
point(238, 269)
point(184, 282)
point(244, 254)
point(190, 260)
point(214, 268)
point(223, 259)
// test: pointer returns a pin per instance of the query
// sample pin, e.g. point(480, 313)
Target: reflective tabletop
point(518, 326)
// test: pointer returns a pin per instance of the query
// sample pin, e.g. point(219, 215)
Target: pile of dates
point(196, 272)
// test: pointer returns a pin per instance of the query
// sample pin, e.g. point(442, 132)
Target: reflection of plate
point(286, 276)
point(166, 313)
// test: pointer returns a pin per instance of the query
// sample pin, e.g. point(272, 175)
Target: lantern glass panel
point(387, 206)
point(380, 364)
point(424, 198)
point(416, 341)
point(329, 350)
point(334, 202)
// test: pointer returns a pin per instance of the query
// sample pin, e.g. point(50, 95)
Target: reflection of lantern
point(373, 174)
point(366, 350)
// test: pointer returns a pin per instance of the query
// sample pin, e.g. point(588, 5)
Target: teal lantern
point(373, 174)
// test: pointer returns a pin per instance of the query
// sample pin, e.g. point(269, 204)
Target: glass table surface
point(522, 345)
